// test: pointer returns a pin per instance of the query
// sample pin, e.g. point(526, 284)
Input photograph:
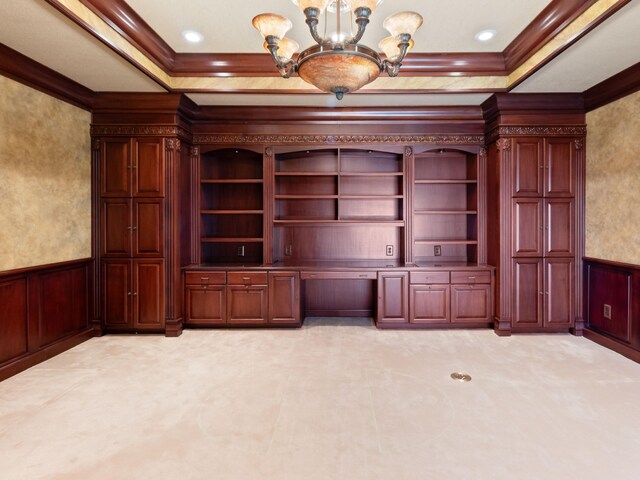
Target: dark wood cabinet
point(560, 167)
point(246, 304)
point(470, 304)
point(284, 298)
point(528, 294)
point(527, 168)
point(205, 305)
point(528, 227)
point(559, 292)
point(132, 233)
point(393, 297)
point(429, 304)
point(559, 233)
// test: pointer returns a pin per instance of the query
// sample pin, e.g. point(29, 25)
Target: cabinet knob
point(129, 293)
point(541, 293)
point(135, 293)
point(135, 228)
point(129, 228)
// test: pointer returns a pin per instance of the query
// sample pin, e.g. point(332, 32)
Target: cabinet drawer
point(204, 278)
point(471, 277)
point(338, 275)
point(429, 277)
point(247, 278)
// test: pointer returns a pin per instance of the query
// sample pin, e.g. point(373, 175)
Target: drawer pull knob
point(204, 278)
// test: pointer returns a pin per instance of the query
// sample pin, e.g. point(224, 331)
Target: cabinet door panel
point(148, 294)
point(559, 167)
point(246, 305)
point(117, 293)
point(559, 278)
point(284, 298)
point(115, 238)
point(206, 305)
point(527, 167)
point(148, 227)
point(527, 292)
point(527, 227)
point(470, 303)
point(149, 168)
point(393, 298)
point(115, 168)
point(559, 227)
point(429, 303)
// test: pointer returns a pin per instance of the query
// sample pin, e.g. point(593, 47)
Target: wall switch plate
point(389, 250)
point(607, 311)
point(437, 250)
point(241, 251)
point(287, 250)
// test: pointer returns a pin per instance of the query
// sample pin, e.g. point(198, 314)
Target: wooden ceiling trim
point(614, 88)
point(23, 69)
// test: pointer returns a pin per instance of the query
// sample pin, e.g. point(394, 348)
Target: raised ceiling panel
point(449, 26)
point(609, 48)
point(37, 30)
point(355, 100)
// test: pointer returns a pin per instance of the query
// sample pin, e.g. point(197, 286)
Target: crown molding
point(22, 69)
point(614, 88)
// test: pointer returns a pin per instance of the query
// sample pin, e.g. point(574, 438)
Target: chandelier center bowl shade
point(338, 63)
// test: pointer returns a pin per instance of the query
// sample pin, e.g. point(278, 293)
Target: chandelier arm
point(285, 66)
point(362, 20)
point(312, 15)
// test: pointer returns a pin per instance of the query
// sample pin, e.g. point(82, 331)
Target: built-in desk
point(454, 295)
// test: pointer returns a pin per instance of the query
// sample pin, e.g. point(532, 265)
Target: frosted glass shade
point(403, 22)
point(304, 4)
point(286, 47)
point(370, 4)
point(390, 48)
point(270, 24)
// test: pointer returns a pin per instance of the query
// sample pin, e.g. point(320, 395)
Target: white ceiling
point(449, 26)
point(38, 30)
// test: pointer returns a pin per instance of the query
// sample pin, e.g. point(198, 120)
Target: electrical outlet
point(607, 311)
point(287, 250)
point(241, 251)
point(437, 250)
point(389, 250)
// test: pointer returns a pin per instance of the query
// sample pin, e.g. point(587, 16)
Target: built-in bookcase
point(445, 207)
point(348, 203)
point(231, 206)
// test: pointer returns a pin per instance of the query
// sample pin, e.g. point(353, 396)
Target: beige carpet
point(337, 399)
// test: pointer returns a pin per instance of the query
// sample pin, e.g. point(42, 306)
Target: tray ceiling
point(92, 48)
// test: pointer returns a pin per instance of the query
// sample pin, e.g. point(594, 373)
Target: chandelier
point(338, 64)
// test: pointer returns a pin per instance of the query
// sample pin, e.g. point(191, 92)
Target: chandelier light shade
point(338, 63)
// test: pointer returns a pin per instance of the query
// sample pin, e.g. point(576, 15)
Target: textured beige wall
point(613, 181)
point(45, 179)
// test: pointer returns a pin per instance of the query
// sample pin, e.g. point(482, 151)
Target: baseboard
point(29, 360)
point(612, 344)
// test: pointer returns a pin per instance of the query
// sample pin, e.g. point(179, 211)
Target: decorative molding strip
point(155, 131)
point(541, 130)
point(614, 88)
point(324, 139)
point(173, 144)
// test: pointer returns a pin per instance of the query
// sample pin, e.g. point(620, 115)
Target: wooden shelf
point(305, 197)
point(370, 197)
point(306, 174)
point(231, 212)
point(445, 182)
point(232, 180)
point(231, 240)
point(446, 242)
point(371, 174)
point(445, 212)
point(341, 223)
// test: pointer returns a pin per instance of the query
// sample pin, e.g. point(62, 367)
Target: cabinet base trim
point(615, 345)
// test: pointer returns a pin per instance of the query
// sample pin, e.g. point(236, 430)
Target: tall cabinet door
point(559, 278)
point(528, 294)
point(560, 161)
point(284, 298)
point(117, 294)
point(148, 294)
point(149, 168)
point(393, 297)
point(527, 227)
point(115, 167)
point(559, 227)
point(115, 227)
point(527, 167)
point(148, 227)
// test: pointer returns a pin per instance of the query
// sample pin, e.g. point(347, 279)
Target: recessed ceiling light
point(193, 37)
point(485, 35)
